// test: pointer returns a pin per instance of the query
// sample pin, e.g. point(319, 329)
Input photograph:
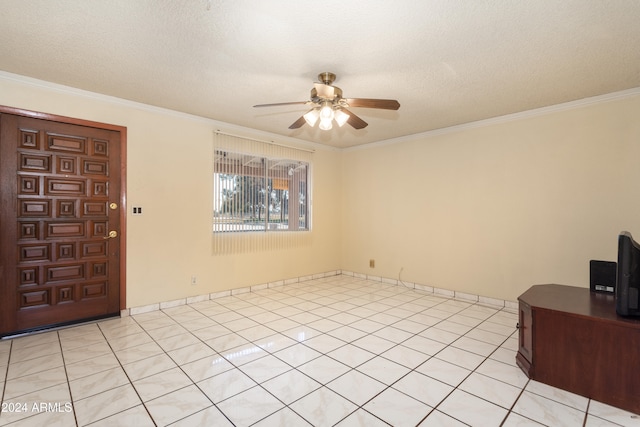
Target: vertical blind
point(261, 195)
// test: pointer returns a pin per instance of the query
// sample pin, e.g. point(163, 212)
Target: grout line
point(126, 375)
point(6, 373)
point(586, 413)
point(514, 404)
point(66, 374)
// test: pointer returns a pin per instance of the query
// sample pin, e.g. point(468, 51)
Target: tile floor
point(334, 351)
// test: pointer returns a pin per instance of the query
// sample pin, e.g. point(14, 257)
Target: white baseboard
point(447, 293)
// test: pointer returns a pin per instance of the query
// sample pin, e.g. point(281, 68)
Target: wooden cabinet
point(573, 339)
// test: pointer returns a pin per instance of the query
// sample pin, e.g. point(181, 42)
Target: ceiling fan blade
point(355, 121)
point(282, 103)
point(386, 104)
point(298, 123)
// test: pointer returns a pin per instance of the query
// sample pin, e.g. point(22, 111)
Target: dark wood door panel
point(60, 193)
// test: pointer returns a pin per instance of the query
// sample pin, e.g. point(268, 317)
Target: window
point(261, 195)
point(254, 193)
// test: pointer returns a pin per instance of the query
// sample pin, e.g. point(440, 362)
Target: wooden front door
point(60, 223)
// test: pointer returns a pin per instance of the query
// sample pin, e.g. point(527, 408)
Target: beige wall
point(493, 209)
point(169, 174)
point(487, 210)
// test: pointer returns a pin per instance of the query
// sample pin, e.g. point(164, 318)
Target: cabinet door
point(526, 332)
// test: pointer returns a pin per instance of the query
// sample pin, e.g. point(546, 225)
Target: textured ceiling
point(446, 62)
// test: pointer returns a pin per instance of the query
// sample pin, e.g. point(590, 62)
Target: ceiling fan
point(329, 105)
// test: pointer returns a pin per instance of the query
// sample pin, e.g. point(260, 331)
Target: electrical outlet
point(194, 280)
point(372, 263)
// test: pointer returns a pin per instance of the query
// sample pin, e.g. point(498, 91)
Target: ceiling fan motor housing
point(328, 94)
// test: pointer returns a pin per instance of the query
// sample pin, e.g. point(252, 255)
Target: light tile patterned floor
point(334, 351)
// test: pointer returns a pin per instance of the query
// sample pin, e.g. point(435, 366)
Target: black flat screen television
point(628, 276)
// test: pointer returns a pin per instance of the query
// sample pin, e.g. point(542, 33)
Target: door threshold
point(56, 327)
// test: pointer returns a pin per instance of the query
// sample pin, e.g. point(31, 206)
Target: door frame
point(123, 178)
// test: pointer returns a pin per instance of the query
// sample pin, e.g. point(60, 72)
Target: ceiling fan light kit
point(329, 105)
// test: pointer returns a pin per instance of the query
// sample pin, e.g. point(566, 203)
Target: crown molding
point(275, 138)
point(537, 112)
point(215, 125)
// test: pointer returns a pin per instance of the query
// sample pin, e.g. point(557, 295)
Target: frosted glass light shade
point(341, 117)
point(326, 112)
point(325, 124)
point(311, 117)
